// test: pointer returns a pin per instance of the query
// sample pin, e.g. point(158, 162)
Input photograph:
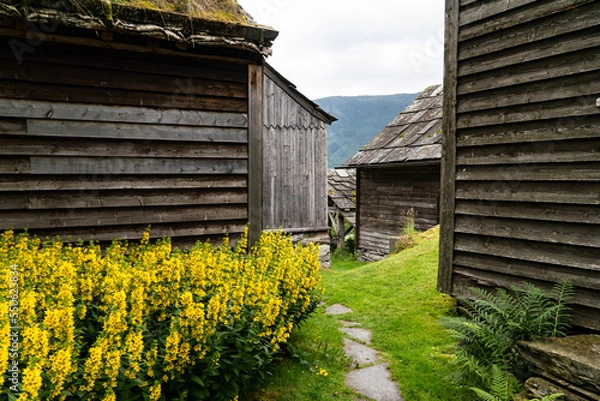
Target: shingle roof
point(415, 135)
point(192, 22)
point(342, 187)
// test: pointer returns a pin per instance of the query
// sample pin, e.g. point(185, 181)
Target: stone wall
point(569, 365)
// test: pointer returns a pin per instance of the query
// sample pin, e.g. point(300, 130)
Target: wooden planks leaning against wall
point(100, 143)
point(524, 172)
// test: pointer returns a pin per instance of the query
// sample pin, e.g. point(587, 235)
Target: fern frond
point(484, 395)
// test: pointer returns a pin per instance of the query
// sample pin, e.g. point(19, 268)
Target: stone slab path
point(369, 378)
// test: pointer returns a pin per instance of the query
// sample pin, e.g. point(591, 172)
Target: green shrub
point(147, 321)
point(492, 324)
point(503, 386)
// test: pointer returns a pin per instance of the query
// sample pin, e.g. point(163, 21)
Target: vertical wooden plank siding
point(522, 165)
point(98, 143)
point(449, 149)
point(256, 150)
point(295, 173)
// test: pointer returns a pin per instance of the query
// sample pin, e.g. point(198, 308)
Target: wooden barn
point(398, 176)
point(341, 184)
point(113, 118)
point(521, 165)
point(295, 163)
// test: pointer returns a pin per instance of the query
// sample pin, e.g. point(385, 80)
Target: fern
point(503, 386)
point(493, 323)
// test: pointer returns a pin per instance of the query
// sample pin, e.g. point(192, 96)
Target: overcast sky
point(350, 47)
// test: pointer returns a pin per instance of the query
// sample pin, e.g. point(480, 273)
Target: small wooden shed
point(341, 183)
point(521, 166)
point(113, 118)
point(295, 163)
point(398, 176)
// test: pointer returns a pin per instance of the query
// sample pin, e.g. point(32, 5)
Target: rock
point(362, 335)
point(539, 388)
point(349, 324)
point(360, 354)
point(574, 359)
point(374, 382)
point(337, 309)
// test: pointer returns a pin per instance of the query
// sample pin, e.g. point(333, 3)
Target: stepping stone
point(374, 382)
point(360, 353)
point(348, 324)
point(337, 309)
point(362, 335)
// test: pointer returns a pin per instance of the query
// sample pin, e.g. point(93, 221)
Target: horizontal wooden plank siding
point(97, 144)
point(527, 168)
point(295, 170)
point(388, 197)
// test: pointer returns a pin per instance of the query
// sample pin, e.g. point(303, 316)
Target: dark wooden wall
point(521, 173)
point(386, 199)
point(100, 143)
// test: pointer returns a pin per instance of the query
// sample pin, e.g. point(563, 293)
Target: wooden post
point(357, 221)
point(340, 229)
point(255, 151)
point(448, 172)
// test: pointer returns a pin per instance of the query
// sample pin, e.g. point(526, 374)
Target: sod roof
point(196, 22)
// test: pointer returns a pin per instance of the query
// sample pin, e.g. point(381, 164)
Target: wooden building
point(521, 166)
point(113, 118)
point(398, 176)
point(295, 163)
point(341, 184)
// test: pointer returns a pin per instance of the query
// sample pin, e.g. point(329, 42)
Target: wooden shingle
point(415, 135)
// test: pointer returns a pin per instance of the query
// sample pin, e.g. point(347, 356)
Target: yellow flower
point(32, 383)
point(155, 392)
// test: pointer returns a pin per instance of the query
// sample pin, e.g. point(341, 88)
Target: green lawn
point(395, 298)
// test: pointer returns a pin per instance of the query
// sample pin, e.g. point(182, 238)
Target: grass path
point(397, 300)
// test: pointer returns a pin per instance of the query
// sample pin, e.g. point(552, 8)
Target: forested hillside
point(360, 118)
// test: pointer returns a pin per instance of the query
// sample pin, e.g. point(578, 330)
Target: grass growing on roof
point(222, 10)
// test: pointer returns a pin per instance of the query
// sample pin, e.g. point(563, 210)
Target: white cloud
point(343, 47)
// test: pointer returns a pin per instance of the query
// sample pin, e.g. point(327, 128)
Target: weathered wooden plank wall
point(522, 163)
point(295, 164)
point(100, 143)
point(388, 196)
point(295, 176)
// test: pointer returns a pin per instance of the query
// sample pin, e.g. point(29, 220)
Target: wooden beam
point(119, 114)
point(357, 228)
point(135, 131)
point(255, 151)
point(103, 165)
point(449, 150)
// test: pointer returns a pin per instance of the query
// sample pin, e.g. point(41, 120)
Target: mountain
point(360, 118)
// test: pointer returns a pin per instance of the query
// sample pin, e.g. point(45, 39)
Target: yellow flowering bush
point(147, 321)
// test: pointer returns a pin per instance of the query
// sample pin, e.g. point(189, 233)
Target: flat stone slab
point(539, 388)
point(360, 353)
point(337, 309)
point(348, 324)
point(362, 335)
point(575, 359)
point(374, 382)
